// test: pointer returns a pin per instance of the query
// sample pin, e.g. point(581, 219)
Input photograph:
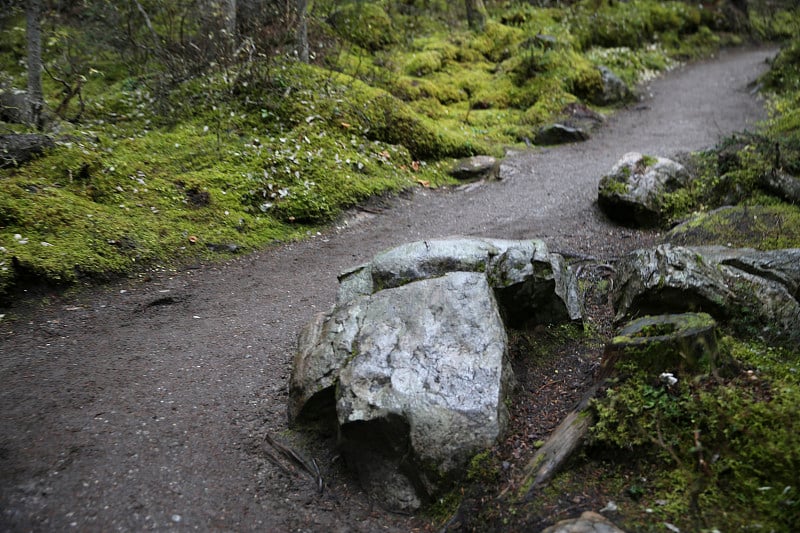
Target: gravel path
point(144, 404)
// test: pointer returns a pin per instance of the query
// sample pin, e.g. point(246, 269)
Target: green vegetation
point(170, 154)
point(711, 453)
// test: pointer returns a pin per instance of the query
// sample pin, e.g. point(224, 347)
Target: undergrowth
point(715, 454)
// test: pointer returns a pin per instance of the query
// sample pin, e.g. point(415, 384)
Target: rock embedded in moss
point(633, 191)
point(18, 149)
point(755, 292)
point(611, 90)
point(364, 23)
point(663, 343)
point(478, 167)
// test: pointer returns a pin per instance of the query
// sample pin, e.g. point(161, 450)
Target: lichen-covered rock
point(632, 192)
point(751, 289)
point(479, 167)
point(532, 284)
point(432, 355)
point(411, 364)
point(669, 279)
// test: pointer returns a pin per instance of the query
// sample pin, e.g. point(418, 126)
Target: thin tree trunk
point(302, 31)
point(476, 14)
point(231, 33)
point(34, 38)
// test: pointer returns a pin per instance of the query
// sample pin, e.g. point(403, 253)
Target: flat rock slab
point(589, 522)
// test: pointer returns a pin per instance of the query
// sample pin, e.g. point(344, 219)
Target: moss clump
point(611, 186)
point(364, 23)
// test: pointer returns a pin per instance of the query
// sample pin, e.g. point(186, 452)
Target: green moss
point(712, 445)
point(497, 42)
point(763, 227)
point(611, 187)
point(364, 23)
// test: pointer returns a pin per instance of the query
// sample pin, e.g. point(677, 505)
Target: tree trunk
point(476, 14)
point(302, 31)
point(34, 38)
point(231, 33)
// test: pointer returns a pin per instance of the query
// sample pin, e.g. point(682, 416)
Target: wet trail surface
point(144, 404)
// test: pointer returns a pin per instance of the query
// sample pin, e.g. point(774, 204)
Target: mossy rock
point(365, 24)
point(764, 227)
point(663, 343)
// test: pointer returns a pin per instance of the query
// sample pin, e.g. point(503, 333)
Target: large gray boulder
point(632, 192)
point(411, 363)
point(756, 291)
point(430, 372)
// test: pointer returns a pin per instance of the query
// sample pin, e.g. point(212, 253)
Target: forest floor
point(144, 404)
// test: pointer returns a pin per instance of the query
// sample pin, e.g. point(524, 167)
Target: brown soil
point(145, 404)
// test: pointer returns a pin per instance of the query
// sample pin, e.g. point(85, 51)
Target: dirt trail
point(144, 404)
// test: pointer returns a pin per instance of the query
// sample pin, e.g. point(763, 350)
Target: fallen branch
point(295, 460)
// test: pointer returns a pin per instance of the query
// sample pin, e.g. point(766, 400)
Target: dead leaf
point(345, 125)
point(193, 239)
point(425, 183)
point(415, 166)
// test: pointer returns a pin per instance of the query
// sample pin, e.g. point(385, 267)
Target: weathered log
point(567, 437)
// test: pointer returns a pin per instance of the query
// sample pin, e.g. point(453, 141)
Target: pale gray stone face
point(433, 352)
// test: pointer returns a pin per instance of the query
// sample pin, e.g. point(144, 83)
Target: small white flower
point(668, 378)
point(45, 243)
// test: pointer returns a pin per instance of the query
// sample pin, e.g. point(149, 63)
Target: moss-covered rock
point(764, 227)
point(666, 343)
point(364, 23)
